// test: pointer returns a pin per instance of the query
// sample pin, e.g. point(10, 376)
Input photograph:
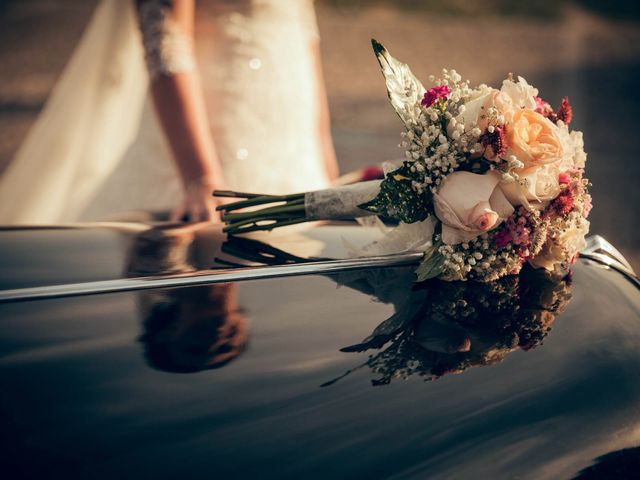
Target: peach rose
point(534, 141)
point(469, 204)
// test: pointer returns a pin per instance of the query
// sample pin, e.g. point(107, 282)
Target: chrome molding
point(598, 250)
point(602, 252)
point(205, 277)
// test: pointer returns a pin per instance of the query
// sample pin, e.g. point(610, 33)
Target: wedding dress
point(97, 148)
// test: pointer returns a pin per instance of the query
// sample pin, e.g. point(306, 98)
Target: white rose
point(522, 94)
point(562, 248)
point(573, 146)
point(475, 110)
point(535, 190)
point(469, 204)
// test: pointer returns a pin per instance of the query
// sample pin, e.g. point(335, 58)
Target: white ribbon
point(340, 202)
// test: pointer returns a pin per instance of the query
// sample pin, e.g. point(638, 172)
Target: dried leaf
point(404, 89)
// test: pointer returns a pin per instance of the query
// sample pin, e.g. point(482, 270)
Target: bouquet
point(491, 180)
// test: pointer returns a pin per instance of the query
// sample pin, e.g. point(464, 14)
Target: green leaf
point(431, 265)
point(398, 200)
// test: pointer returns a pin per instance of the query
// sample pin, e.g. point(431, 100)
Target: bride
point(161, 103)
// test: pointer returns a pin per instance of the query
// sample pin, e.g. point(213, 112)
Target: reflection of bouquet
point(492, 179)
point(448, 327)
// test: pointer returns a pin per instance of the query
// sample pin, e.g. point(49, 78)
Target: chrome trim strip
point(598, 244)
point(608, 262)
point(611, 258)
point(599, 250)
point(205, 277)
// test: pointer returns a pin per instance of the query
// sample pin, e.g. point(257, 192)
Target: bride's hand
point(198, 205)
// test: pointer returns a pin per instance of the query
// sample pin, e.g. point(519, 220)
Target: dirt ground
point(592, 58)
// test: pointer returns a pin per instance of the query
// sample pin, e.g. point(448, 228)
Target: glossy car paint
point(81, 395)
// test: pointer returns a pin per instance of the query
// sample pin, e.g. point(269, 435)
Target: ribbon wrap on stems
point(340, 202)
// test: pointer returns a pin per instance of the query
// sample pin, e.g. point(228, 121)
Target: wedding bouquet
point(491, 179)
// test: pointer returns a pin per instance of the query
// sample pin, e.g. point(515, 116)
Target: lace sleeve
point(167, 49)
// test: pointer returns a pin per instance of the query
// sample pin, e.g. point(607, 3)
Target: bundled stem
point(277, 211)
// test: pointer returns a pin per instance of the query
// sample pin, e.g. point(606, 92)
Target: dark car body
point(93, 387)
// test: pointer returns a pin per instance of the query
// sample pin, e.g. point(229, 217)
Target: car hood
point(85, 390)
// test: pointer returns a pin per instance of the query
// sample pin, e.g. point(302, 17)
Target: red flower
point(564, 178)
point(563, 204)
point(433, 94)
point(565, 112)
point(502, 238)
point(495, 143)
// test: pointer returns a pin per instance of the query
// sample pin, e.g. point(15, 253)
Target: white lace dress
point(97, 148)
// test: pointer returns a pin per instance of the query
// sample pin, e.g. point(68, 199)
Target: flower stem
point(253, 200)
point(277, 211)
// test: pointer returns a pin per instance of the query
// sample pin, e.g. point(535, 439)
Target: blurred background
point(588, 50)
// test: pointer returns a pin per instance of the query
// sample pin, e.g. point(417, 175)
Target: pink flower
point(516, 231)
point(543, 107)
point(502, 238)
point(563, 204)
point(564, 178)
point(433, 94)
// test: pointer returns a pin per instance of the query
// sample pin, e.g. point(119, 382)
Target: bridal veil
point(97, 148)
point(87, 125)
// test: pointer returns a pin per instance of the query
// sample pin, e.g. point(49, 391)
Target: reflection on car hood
point(107, 386)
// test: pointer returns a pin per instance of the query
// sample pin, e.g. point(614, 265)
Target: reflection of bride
point(185, 329)
point(98, 148)
point(192, 329)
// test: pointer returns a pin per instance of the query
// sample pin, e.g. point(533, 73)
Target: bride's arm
point(167, 29)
